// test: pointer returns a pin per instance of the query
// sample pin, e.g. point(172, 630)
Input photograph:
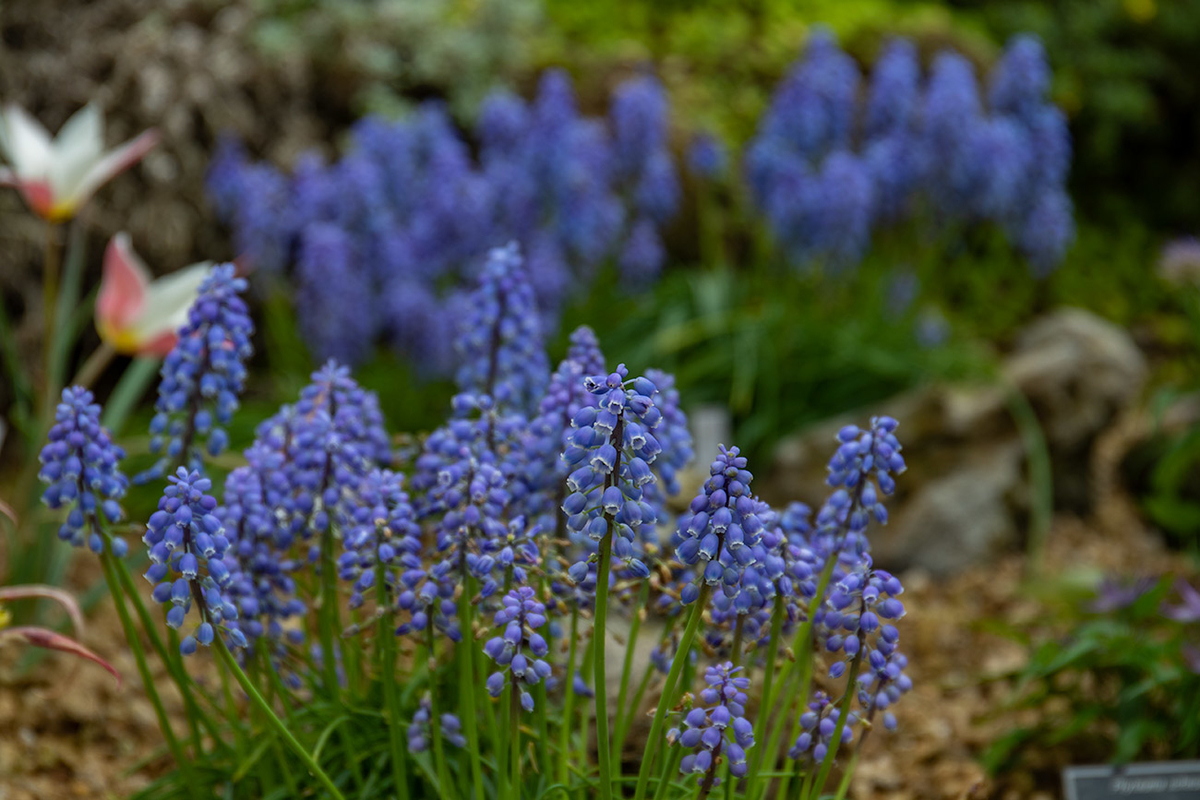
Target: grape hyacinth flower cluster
point(187, 546)
point(82, 468)
point(544, 471)
point(378, 241)
point(420, 731)
point(327, 442)
point(610, 451)
point(263, 586)
point(499, 345)
point(825, 180)
point(717, 730)
point(675, 436)
point(203, 375)
point(706, 156)
point(819, 724)
point(520, 649)
point(381, 532)
point(645, 169)
point(861, 474)
point(723, 528)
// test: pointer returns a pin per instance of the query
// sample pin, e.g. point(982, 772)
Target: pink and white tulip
point(139, 316)
point(57, 176)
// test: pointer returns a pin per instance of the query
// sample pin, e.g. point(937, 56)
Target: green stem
point(801, 668)
point(387, 675)
point(257, 699)
point(466, 684)
point(634, 628)
point(760, 729)
point(515, 740)
point(844, 785)
point(50, 332)
point(435, 718)
point(636, 703)
point(95, 365)
point(739, 632)
point(541, 699)
point(585, 710)
point(805, 785)
point(328, 620)
point(668, 694)
point(564, 730)
point(1041, 478)
point(840, 725)
point(135, 644)
point(266, 667)
point(231, 709)
point(676, 755)
point(503, 745)
point(170, 659)
point(603, 744)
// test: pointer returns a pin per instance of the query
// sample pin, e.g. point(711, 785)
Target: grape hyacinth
point(327, 442)
point(420, 731)
point(378, 242)
point(545, 471)
point(187, 546)
point(675, 436)
point(263, 587)
point(717, 731)
point(723, 527)
point(826, 171)
point(860, 473)
point(81, 467)
point(203, 375)
point(520, 649)
point(610, 451)
point(819, 723)
point(706, 156)
point(383, 532)
point(500, 342)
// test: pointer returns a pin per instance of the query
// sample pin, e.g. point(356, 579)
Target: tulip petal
point(122, 288)
point(165, 311)
point(78, 146)
point(26, 143)
point(106, 167)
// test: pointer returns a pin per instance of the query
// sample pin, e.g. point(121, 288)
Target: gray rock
point(1078, 371)
point(963, 518)
point(965, 495)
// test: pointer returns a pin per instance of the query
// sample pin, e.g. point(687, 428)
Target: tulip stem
point(95, 365)
point(50, 267)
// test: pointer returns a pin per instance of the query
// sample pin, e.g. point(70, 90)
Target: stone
point(963, 518)
point(965, 497)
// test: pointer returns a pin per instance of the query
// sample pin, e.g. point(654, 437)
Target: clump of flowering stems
point(448, 593)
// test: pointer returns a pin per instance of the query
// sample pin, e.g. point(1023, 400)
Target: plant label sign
point(1170, 780)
